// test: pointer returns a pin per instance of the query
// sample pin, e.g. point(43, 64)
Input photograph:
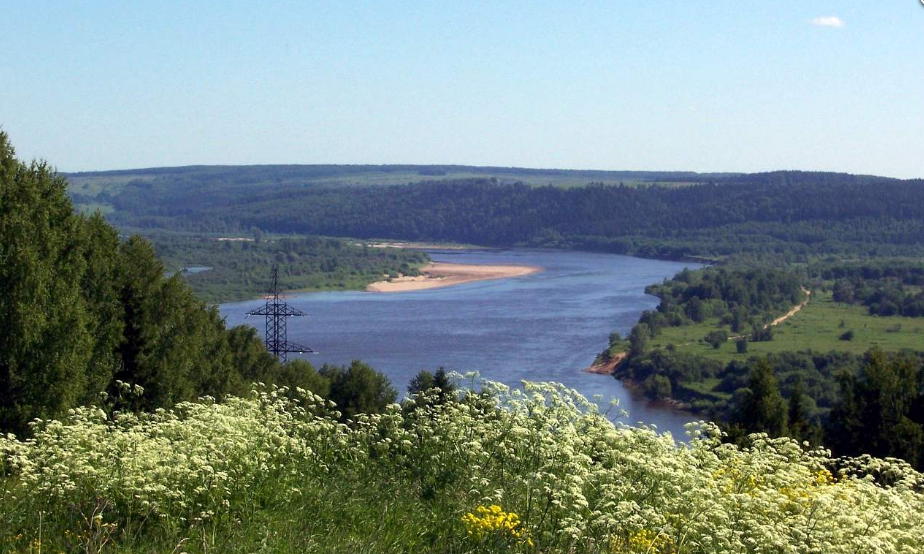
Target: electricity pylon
point(277, 312)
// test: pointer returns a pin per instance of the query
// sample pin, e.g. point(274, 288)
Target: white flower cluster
point(187, 464)
point(577, 481)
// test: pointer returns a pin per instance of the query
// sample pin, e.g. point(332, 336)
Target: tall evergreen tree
point(762, 410)
point(877, 409)
point(798, 416)
point(45, 340)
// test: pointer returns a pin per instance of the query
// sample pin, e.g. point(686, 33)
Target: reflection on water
point(543, 327)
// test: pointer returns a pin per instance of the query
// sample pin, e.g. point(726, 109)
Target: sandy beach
point(439, 274)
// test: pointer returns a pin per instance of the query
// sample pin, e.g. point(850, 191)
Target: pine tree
point(45, 342)
point(798, 417)
point(762, 410)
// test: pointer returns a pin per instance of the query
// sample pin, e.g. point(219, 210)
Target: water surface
point(542, 327)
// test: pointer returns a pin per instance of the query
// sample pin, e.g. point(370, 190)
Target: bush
point(741, 345)
point(273, 474)
point(657, 386)
point(848, 335)
point(716, 338)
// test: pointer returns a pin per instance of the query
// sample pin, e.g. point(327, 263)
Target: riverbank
point(442, 274)
point(407, 245)
point(608, 367)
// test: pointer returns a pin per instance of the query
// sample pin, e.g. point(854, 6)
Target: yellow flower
point(493, 521)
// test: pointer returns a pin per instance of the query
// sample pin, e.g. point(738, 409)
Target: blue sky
point(725, 85)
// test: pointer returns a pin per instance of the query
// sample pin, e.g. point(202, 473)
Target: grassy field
point(817, 327)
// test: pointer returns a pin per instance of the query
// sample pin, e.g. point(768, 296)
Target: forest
point(238, 269)
point(90, 319)
point(790, 215)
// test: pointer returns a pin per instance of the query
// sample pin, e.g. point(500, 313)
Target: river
point(543, 327)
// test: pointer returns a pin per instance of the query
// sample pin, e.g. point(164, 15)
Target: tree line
point(783, 213)
point(238, 269)
point(84, 314)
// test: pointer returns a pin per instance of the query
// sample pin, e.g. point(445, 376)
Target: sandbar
point(440, 274)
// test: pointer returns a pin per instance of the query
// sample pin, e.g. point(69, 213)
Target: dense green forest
point(245, 179)
point(238, 269)
point(785, 214)
point(89, 319)
point(744, 299)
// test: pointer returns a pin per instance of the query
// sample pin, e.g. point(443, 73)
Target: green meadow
point(818, 327)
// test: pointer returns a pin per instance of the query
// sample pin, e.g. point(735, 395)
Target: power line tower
point(277, 312)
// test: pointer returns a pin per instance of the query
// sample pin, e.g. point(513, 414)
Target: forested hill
point(795, 213)
point(89, 184)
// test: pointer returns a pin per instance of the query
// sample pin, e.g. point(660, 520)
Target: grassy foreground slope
point(499, 471)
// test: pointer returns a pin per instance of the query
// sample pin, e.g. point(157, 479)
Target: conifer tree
point(762, 410)
point(45, 343)
point(798, 422)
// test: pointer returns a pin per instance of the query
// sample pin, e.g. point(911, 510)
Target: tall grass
point(276, 472)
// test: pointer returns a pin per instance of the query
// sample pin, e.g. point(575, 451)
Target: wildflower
point(494, 522)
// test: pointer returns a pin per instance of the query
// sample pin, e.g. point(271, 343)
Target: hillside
point(495, 471)
point(788, 214)
point(253, 177)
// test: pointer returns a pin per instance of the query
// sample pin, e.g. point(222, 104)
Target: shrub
point(716, 338)
point(274, 473)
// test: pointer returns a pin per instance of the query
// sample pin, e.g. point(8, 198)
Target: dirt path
point(608, 368)
point(796, 309)
point(792, 312)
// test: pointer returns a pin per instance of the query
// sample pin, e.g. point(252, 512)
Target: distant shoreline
point(419, 245)
point(440, 274)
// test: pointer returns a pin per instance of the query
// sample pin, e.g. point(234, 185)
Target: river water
point(543, 327)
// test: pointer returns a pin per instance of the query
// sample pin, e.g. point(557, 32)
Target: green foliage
point(881, 409)
point(741, 346)
point(45, 323)
point(799, 426)
point(762, 409)
point(84, 313)
point(358, 389)
point(716, 338)
point(885, 287)
point(270, 473)
point(238, 269)
point(657, 386)
point(737, 297)
point(638, 339)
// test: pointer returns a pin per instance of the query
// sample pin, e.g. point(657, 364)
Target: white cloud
point(828, 21)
